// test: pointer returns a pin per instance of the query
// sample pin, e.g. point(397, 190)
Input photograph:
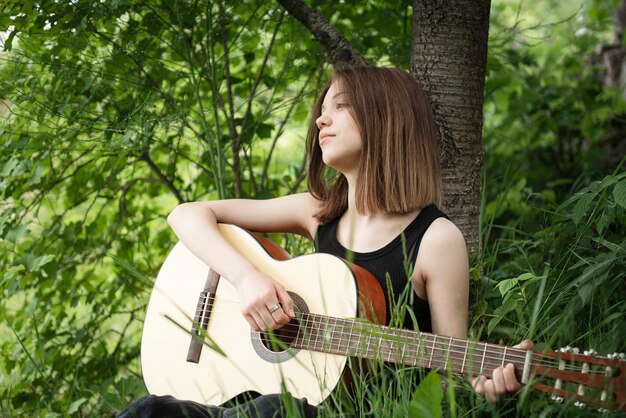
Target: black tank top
point(387, 264)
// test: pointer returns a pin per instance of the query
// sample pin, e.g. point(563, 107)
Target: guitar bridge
point(201, 318)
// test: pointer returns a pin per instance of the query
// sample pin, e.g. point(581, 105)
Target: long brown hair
point(399, 166)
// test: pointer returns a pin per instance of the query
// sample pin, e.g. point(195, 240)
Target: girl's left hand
point(503, 379)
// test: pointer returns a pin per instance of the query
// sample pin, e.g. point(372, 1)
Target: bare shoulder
point(443, 233)
point(442, 250)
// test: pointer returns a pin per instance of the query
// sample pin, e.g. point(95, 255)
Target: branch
point(236, 145)
point(339, 52)
point(245, 124)
point(145, 157)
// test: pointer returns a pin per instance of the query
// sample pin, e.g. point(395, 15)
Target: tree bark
point(613, 57)
point(449, 58)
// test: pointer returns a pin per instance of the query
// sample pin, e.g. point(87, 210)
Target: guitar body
point(318, 283)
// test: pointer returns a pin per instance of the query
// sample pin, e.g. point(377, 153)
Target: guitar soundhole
point(282, 338)
point(277, 346)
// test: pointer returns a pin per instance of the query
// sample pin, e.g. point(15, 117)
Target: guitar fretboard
point(366, 340)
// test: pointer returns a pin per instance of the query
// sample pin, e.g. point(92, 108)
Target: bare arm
point(195, 224)
point(442, 267)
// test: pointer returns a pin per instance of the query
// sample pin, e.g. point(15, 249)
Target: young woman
point(374, 127)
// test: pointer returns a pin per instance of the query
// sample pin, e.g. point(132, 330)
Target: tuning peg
point(579, 404)
point(567, 349)
point(590, 352)
point(557, 399)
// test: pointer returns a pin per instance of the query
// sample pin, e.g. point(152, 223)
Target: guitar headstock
point(590, 379)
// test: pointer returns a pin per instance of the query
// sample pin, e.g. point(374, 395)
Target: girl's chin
point(339, 163)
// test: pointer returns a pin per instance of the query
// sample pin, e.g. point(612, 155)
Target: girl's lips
point(325, 137)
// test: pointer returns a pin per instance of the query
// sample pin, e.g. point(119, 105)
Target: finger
point(510, 380)
point(498, 381)
point(267, 319)
point(262, 323)
point(478, 383)
point(285, 302)
point(280, 317)
point(525, 345)
point(490, 392)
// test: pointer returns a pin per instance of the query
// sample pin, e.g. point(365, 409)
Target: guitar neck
point(356, 338)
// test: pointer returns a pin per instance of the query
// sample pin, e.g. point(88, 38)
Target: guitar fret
point(418, 339)
point(482, 363)
point(325, 334)
point(350, 337)
point(464, 356)
point(445, 365)
point(315, 337)
point(310, 332)
point(297, 344)
point(341, 336)
point(328, 335)
point(503, 356)
point(430, 360)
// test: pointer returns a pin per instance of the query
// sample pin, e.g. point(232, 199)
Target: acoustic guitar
point(196, 344)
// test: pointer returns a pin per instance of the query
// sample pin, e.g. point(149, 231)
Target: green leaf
point(34, 263)
point(505, 285)
point(619, 193)
point(264, 130)
point(426, 400)
point(581, 207)
point(8, 44)
point(17, 234)
point(76, 405)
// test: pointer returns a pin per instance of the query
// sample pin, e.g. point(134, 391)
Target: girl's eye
point(341, 105)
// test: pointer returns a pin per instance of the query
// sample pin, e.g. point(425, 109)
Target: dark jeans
point(266, 406)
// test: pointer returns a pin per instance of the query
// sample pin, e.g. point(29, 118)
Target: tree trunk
point(449, 58)
point(613, 57)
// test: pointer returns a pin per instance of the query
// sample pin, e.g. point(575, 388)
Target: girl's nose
point(322, 120)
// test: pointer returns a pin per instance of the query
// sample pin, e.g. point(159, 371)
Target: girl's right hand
point(259, 294)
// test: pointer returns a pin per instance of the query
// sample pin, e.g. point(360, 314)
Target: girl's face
point(339, 137)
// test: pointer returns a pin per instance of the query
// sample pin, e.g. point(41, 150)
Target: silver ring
point(274, 307)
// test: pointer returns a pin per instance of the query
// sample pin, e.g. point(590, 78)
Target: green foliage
point(427, 398)
point(116, 111)
point(554, 246)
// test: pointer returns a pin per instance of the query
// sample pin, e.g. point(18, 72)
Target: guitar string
point(315, 344)
point(449, 346)
point(448, 349)
point(336, 343)
point(521, 357)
